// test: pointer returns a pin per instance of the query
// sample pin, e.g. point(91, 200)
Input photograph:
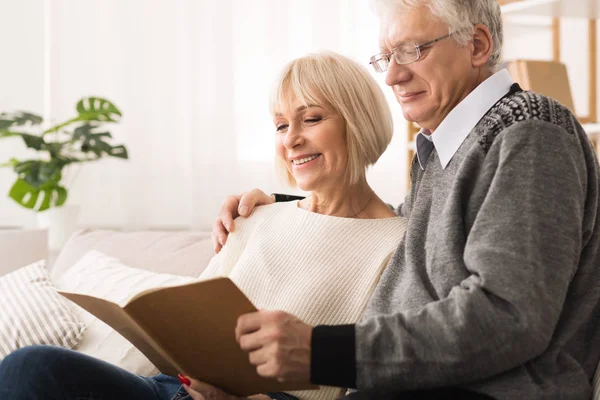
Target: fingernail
point(228, 226)
point(243, 210)
point(221, 240)
point(184, 380)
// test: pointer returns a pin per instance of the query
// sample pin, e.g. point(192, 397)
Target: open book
point(189, 329)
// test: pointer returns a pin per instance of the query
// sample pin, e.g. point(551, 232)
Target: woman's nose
point(293, 138)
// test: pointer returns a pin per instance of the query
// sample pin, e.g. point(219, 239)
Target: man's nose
point(397, 74)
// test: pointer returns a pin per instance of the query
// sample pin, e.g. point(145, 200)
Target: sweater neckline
point(301, 210)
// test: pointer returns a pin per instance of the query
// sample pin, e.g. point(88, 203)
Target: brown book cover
point(189, 329)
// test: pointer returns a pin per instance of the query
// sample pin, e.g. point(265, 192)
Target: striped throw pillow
point(32, 312)
point(98, 275)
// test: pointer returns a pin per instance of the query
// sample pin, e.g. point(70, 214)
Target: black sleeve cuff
point(285, 197)
point(333, 358)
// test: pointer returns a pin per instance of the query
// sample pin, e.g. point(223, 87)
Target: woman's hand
point(203, 391)
point(233, 207)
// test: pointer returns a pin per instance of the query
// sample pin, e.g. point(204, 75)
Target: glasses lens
point(380, 63)
point(406, 54)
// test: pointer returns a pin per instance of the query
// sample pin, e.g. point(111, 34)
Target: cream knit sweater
point(319, 268)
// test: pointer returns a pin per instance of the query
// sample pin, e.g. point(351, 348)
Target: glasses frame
point(388, 56)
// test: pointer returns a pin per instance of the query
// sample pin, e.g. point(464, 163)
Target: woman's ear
point(483, 45)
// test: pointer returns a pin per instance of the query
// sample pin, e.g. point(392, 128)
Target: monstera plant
point(79, 140)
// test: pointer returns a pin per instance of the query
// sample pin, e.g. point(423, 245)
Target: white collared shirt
point(455, 128)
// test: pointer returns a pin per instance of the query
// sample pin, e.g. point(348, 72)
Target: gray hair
point(459, 15)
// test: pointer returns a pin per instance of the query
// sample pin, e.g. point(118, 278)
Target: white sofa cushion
point(179, 253)
point(101, 276)
point(34, 313)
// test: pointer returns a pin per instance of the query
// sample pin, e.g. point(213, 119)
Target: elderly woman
point(318, 258)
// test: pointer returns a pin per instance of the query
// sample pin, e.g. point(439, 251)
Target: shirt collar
point(455, 128)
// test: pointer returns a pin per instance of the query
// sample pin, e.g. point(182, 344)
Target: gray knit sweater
point(496, 286)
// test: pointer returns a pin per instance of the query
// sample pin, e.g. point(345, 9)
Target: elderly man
point(495, 288)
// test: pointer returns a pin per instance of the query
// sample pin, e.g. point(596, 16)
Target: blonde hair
point(460, 16)
point(352, 92)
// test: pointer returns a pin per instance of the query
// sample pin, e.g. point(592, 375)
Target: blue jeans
point(47, 372)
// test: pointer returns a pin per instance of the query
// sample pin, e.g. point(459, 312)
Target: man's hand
point(203, 391)
point(278, 343)
point(233, 207)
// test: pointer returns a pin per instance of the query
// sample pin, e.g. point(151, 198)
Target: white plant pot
point(61, 223)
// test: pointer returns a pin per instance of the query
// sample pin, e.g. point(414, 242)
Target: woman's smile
point(304, 162)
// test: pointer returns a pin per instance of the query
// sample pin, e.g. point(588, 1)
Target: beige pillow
point(99, 275)
point(178, 253)
point(32, 312)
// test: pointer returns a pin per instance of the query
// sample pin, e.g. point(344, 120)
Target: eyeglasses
point(404, 54)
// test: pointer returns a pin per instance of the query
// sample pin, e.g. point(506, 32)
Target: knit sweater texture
point(320, 268)
point(496, 286)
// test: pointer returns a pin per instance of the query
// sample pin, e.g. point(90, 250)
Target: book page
point(140, 293)
point(113, 315)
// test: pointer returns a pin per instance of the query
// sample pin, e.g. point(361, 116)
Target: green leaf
point(8, 134)
point(97, 109)
point(50, 172)
point(39, 199)
point(5, 124)
point(61, 196)
point(19, 118)
point(91, 109)
point(24, 194)
point(46, 199)
point(38, 173)
point(29, 171)
point(33, 142)
point(11, 133)
point(92, 142)
point(119, 152)
point(24, 118)
point(10, 163)
point(84, 131)
point(55, 148)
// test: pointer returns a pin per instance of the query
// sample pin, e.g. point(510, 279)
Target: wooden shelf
point(591, 129)
point(588, 9)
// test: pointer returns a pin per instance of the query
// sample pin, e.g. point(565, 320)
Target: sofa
point(160, 258)
point(183, 254)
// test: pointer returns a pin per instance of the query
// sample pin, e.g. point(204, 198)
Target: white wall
point(21, 86)
point(174, 69)
point(192, 78)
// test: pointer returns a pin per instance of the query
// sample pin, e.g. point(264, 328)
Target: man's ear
point(483, 45)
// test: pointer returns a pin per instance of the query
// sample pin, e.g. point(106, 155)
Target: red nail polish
point(184, 380)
